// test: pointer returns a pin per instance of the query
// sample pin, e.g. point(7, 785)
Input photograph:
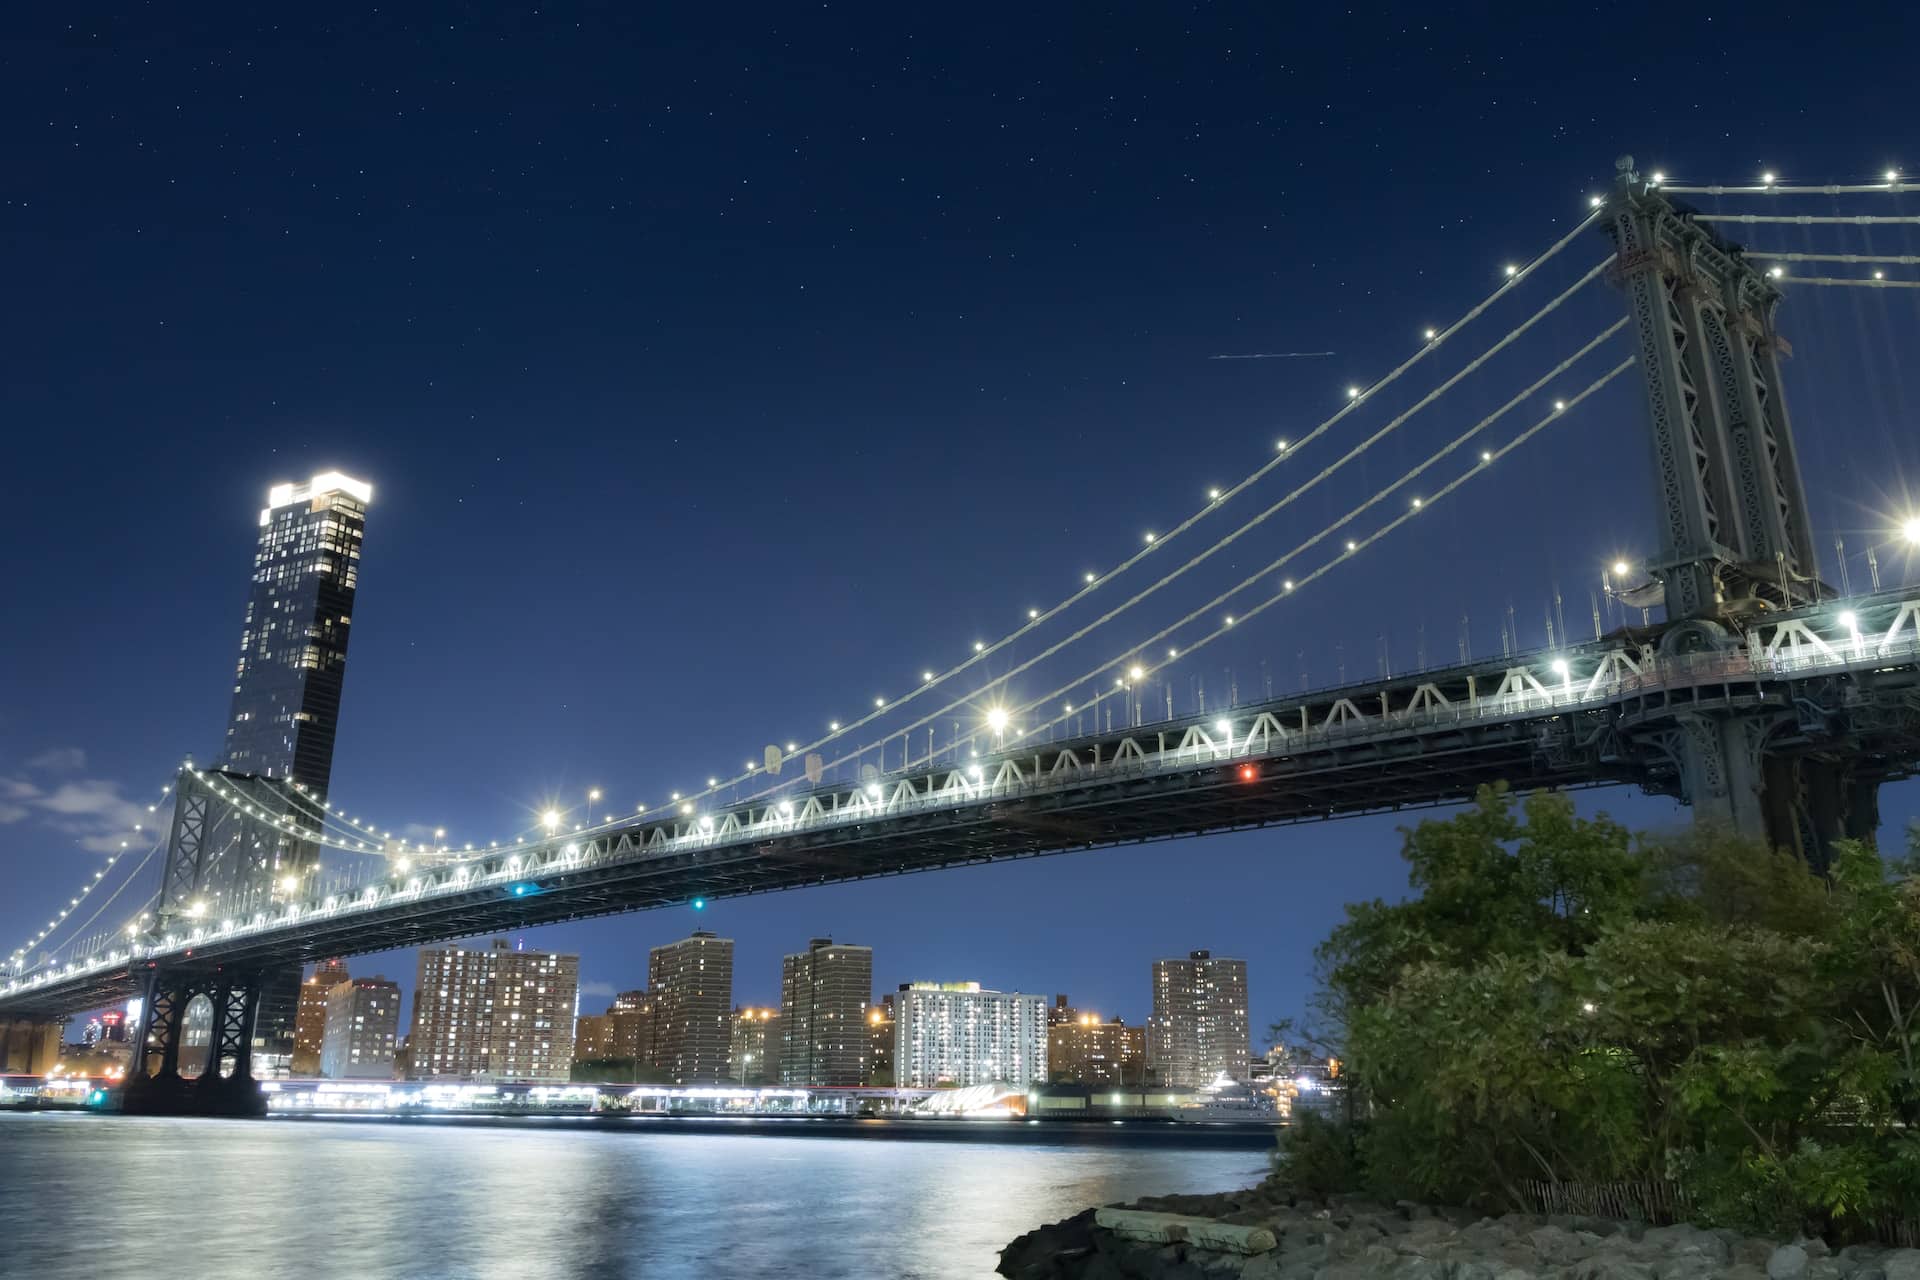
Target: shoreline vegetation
point(1710, 1038)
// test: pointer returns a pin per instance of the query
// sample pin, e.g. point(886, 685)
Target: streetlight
point(550, 820)
point(997, 719)
point(1911, 531)
point(593, 797)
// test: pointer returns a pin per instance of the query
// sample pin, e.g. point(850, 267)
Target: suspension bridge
point(1762, 696)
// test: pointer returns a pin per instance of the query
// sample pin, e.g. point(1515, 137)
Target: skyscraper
point(691, 984)
point(824, 993)
point(1198, 1031)
point(363, 1030)
point(310, 1021)
point(956, 1033)
point(293, 645)
point(493, 1013)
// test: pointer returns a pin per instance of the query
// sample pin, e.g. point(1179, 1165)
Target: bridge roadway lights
point(225, 1085)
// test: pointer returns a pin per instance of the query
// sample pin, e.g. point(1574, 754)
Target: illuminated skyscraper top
point(293, 650)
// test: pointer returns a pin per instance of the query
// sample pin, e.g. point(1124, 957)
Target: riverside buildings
point(624, 1031)
point(1081, 1049)
point(310, 1018)
point(1198, 1031)
point(755, 1054)
point(824, 994)
point(493, 1013)
point(957, 1033)
point(880, 1042)
point(691, 985)
point(362, 1030)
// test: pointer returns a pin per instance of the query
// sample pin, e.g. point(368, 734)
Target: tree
point(1564, 1002)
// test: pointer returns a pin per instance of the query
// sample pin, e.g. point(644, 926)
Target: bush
point(1318, 1157)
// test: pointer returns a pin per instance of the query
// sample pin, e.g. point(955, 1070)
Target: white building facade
point(957, 1033)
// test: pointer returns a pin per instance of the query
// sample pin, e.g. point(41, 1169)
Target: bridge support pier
point(1737, 772)
point(30, 1046)
point(225, 1085)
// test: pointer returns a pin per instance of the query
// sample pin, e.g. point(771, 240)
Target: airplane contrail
point(1277, 355)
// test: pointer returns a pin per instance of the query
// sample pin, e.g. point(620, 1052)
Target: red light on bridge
point(1248, 773)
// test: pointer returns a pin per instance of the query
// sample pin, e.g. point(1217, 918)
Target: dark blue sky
point(721, 370)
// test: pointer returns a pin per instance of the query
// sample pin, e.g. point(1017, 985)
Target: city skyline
point(1042, 293)
point(967, 625)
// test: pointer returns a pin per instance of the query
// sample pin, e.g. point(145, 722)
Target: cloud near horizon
point(91, 812)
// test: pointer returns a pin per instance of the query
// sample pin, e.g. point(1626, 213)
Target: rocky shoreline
point(1351, 1239)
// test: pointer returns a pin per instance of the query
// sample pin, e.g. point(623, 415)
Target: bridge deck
point(1559, 719)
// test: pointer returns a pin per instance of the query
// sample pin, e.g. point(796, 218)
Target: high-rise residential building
point(755, 1055)
point(362, 1030)
point(624, 1031)
point(493, 1013)
point(630, 1029)
point(957, 1033)
point(824, 994)
point(1198, 1031)
point(286, 691)
point(293, 648)
point(880, 1042)
point(310, 1020)
point(1081, 1049)
point(592, 1037)
point(690, 983)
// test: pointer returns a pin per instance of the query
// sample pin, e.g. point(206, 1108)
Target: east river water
point(99, 1198)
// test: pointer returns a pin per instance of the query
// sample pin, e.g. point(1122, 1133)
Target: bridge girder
point(1838, 710)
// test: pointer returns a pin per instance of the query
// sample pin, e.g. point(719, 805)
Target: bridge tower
point(1735, 541)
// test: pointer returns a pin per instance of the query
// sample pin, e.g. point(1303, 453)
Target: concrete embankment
point(1265, 1234)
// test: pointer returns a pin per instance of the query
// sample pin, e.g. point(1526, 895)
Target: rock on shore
point(1357, 1240)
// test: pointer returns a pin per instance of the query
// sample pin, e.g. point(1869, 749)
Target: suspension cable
point(1560, 410)
point(1223, 543)
point(21, 953)
point(984, 652)
point(1485, 422)
point(1038, 618)
point(128, 880)
point(1361, 544)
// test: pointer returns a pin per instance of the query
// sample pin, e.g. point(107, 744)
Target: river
point(99, 1198)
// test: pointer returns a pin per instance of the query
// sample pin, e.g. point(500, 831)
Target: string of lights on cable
point(23, 952)
point(1000, 720)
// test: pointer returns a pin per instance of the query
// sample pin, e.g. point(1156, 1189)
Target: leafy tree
point(1561, 1001)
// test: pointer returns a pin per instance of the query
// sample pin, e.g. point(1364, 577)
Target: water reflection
point(126, 1197)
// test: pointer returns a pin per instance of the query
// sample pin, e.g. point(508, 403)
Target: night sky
point(720, 370)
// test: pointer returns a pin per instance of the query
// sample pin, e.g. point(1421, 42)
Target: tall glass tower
point(293, 648)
